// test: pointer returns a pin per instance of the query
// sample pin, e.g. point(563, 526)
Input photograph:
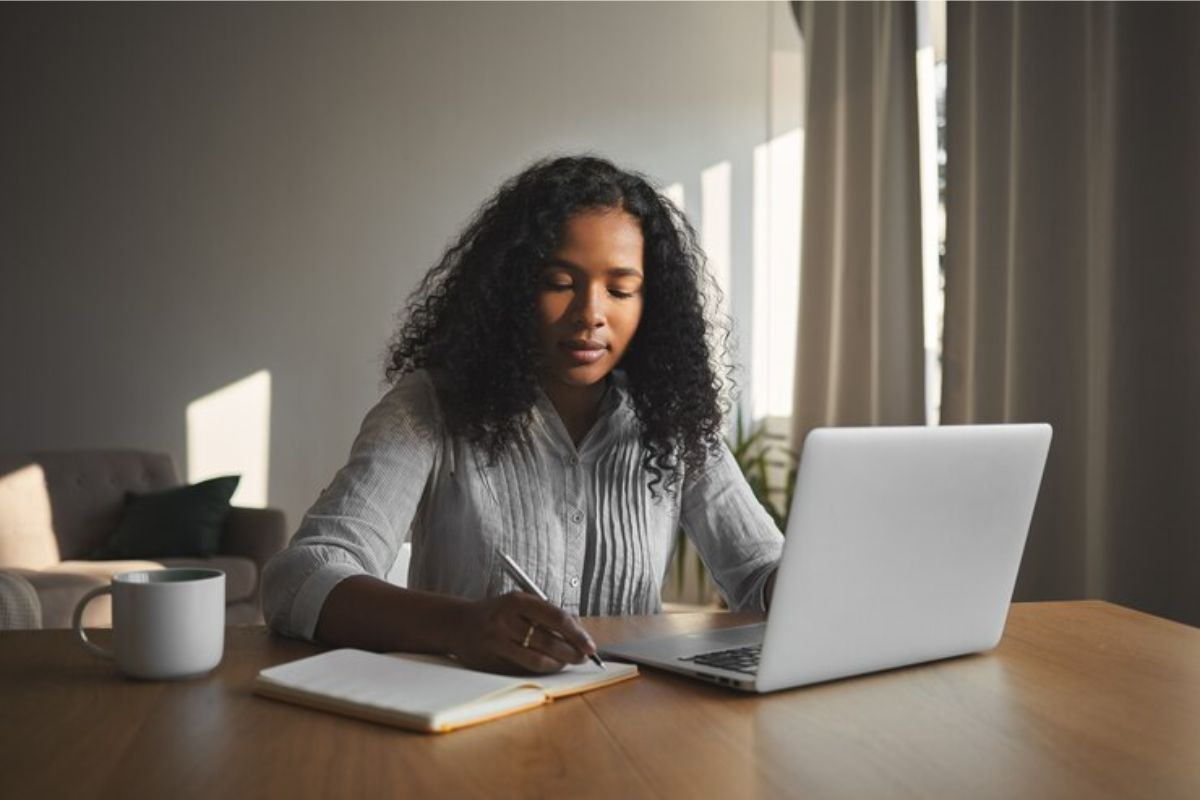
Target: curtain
point(1073, 280)
point(859, 345)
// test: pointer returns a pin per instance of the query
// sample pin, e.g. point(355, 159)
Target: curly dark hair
point(473, 318)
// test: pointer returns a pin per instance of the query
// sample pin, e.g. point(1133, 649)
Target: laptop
point(902, 547)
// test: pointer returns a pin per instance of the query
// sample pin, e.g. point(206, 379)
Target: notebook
point(420, 692)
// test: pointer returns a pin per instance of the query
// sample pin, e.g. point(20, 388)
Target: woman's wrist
point(446, 624)
point(368, 613)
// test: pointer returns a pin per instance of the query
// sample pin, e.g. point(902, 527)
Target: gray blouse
point(580, 521)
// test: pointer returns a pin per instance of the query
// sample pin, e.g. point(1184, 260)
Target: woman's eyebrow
point(617, 271)
point(625, 272)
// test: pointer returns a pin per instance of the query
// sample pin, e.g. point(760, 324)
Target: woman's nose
point(589, 308)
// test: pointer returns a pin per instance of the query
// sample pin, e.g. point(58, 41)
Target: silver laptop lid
point(903, 546)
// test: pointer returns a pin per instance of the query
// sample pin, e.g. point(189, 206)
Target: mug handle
point(77, 622)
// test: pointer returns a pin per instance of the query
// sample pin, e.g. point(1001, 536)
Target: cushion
point(185, 521)
point(85, 493)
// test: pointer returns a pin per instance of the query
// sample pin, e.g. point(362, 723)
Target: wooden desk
point(1082, 699)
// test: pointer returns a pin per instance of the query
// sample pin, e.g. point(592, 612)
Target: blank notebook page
point(416, 687)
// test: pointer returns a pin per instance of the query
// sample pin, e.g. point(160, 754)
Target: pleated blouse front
point(581, 521)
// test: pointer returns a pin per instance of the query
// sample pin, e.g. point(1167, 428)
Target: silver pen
point(528, 585)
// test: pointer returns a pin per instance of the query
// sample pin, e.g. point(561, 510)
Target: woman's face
point(590, 296)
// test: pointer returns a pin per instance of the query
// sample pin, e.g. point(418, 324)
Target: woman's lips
point(584, 352)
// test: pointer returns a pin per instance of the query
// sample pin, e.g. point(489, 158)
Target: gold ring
point(528, 636)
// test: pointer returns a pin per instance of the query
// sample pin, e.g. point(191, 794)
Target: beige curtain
point(859, 347)
point(1073, 280)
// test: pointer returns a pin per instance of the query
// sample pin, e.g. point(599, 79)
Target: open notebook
point(424, 693)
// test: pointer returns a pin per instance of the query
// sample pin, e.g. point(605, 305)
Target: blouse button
point(574, 582)
point(574, 461)
point(577, 517)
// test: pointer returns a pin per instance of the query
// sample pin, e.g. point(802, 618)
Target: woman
point(509, 429)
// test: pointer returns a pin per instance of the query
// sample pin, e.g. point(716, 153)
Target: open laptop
point(902, 546)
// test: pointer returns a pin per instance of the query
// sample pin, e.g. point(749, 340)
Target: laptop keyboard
point(737, 659)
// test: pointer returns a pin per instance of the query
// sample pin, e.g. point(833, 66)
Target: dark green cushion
point(186, 521)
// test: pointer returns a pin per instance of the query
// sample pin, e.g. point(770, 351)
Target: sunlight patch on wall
point(716, 222)
point(229, 433)
point(777, 198)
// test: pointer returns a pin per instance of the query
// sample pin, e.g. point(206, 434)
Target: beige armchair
point(56, 507)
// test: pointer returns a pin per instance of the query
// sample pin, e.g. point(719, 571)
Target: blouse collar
point(612, 402)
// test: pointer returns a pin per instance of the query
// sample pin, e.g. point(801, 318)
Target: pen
point(528, 585)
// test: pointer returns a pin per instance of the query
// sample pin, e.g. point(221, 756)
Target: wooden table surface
point(1080, 700)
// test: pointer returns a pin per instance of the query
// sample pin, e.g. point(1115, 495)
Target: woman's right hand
point(490, 635)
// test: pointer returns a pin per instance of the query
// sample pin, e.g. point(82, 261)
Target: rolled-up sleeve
point(360, 521)
point(733, 533)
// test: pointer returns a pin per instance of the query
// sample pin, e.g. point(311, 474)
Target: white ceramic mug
point(167, 623)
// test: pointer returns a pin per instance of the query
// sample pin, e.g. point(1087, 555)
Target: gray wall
point(192, 193)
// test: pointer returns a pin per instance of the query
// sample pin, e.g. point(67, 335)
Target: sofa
point(57, 507)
